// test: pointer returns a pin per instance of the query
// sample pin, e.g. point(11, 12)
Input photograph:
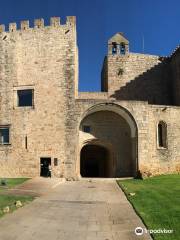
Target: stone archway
point(113, 125)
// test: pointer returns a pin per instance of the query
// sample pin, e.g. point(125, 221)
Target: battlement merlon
point(39, 23)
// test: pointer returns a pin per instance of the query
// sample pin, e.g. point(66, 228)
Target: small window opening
point(26, 142)
point(87, 129)
point(162, 134)
point(25, 97)
point(114, 48)
point(122, 48)
point(4, 135)
point(120, 71)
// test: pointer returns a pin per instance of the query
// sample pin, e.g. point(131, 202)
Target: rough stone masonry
point(48, 128)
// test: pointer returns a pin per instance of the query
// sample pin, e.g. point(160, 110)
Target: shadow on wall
point(154, 86)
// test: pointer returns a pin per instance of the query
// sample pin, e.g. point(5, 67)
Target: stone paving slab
point(75, 211)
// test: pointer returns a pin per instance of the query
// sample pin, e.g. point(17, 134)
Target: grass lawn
point(9, 200)
point(157, 201)
point(12, 182)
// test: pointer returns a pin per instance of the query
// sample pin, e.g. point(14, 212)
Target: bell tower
point(113, 67)
point(118, 45)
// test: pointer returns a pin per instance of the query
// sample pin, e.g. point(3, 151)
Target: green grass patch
point(12, 182)
point(8, 200)
point(157, 201)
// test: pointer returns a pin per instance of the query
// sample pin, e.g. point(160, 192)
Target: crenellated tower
point(38, 85)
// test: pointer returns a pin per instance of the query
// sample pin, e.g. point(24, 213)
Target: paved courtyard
point(82, 210)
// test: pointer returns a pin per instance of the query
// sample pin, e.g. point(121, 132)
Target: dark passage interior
point(45, 167)
point(94, 161)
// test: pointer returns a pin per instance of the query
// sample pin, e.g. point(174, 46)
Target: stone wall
point(92, 95)
point(45, 60)
point(164, 160)
point(152, 160)
point(137, 77)
point(174, 62)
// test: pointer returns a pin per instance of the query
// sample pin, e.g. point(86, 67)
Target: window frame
point(16, 88)
point(18, 98)
point(9, 142)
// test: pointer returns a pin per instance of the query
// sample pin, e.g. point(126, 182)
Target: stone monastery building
point(131, 127)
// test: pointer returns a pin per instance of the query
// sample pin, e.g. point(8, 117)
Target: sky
point(155, 21)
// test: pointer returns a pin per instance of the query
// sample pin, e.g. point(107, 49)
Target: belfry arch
point(107, 142)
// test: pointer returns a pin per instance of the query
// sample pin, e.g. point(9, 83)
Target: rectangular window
point(4, 135)
point(25, 97)
point(87, 129)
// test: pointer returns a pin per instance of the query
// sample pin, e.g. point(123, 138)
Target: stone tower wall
point(43, 58)
point(136, 77)
point(175, 79)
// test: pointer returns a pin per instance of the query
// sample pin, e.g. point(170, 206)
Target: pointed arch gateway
point(108, 142)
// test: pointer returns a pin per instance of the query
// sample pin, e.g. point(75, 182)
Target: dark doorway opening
point(45, 167)
point(94, 161)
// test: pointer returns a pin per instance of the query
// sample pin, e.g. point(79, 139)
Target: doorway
point(45, 164)
point(94, 161)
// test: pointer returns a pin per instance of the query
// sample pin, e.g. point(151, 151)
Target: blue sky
point(97, 20)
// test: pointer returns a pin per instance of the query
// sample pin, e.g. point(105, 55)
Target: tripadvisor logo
point(140, 231)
